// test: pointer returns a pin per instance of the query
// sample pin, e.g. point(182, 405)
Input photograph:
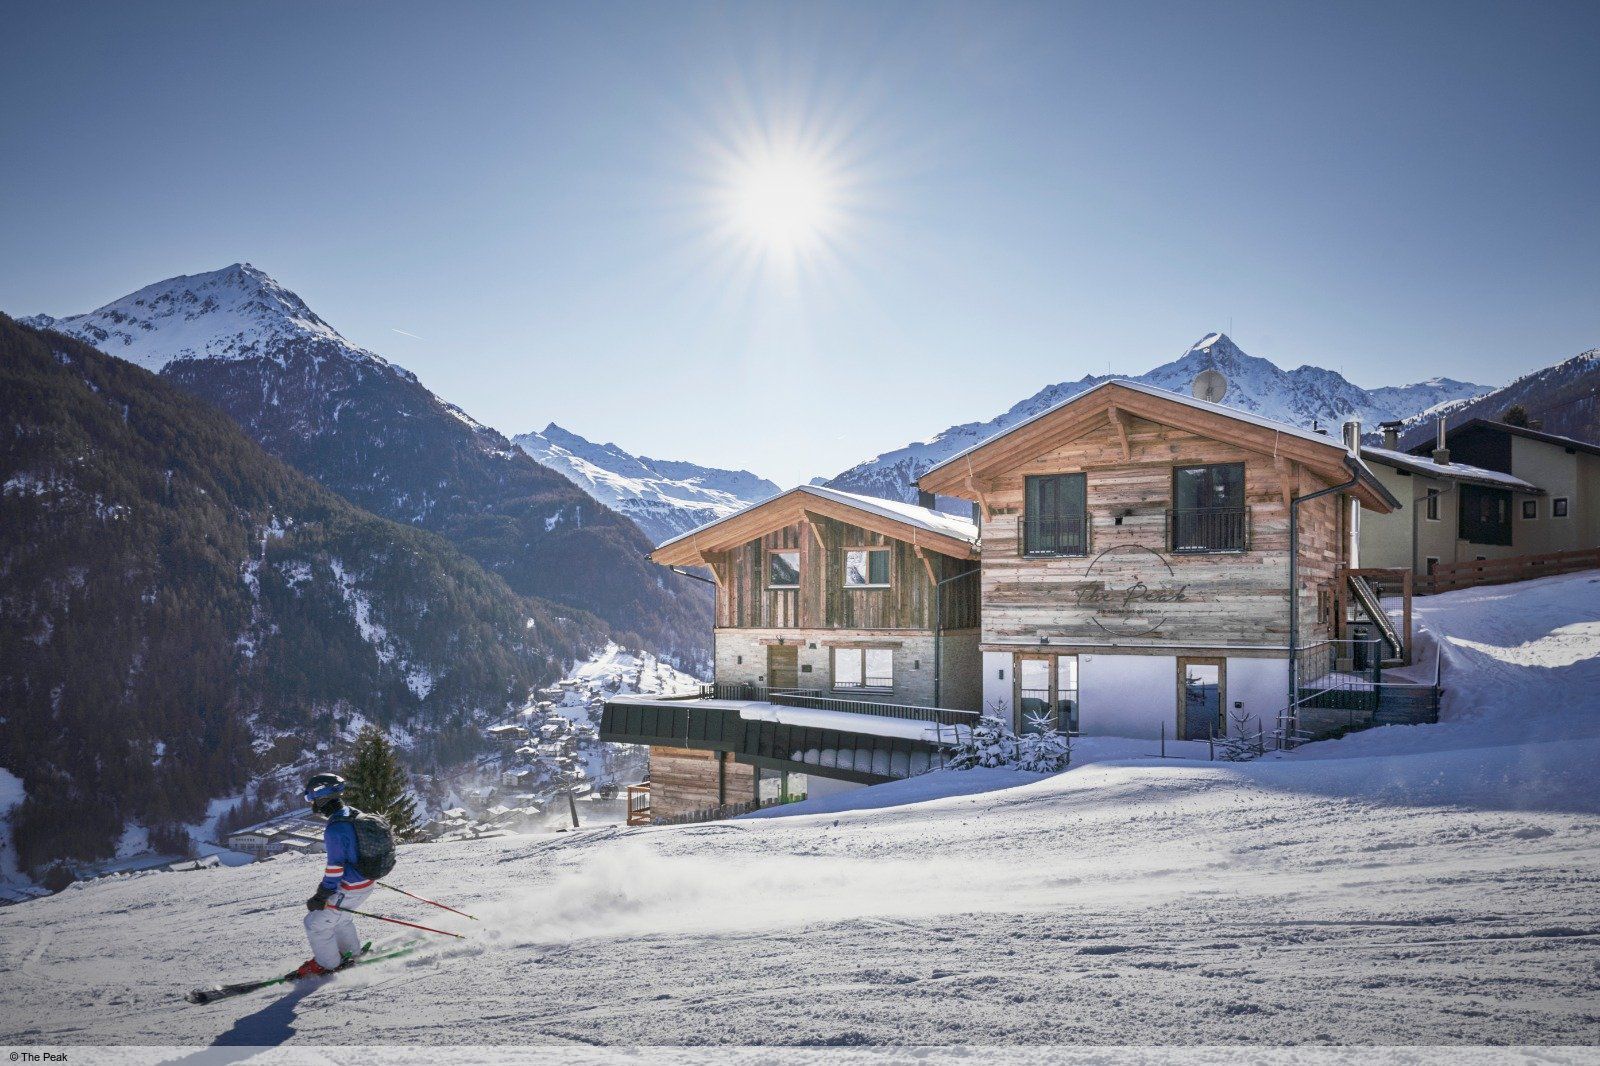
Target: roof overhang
point(798, 505)
point(1468, 475)
point(968, 474)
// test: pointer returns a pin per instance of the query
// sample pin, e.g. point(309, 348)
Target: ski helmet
point(323, 792)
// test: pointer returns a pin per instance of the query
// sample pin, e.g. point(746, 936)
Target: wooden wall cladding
point(744, 600)
point(1234, 598)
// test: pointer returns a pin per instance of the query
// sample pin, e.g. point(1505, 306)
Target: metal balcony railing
point(1054, 535)
point(1197, 530)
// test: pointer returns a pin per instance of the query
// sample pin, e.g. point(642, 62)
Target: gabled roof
point(947, 534)
point(1516, 431)
point(1472, 475)
point(1324, 455)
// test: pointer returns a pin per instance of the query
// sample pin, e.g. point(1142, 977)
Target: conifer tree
point(377, 784)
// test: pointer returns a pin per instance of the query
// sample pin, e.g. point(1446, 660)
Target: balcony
point(1207, 530)
point(794, 729)
point(1054, 535)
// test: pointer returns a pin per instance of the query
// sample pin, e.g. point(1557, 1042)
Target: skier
point(333, 932)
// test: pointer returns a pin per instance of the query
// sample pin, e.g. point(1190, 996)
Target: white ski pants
point(334, 932)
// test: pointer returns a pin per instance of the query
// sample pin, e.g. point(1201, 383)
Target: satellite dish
point(1210, 386)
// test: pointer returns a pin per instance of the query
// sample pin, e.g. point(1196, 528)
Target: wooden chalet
point(845, 603)
point(1139, 551)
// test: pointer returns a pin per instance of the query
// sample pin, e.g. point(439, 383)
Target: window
point(866, 568)
point(1530, 508)
point(1047, 693)
point(783, 570)
point(1432, 508)
point(1208, 508)
point(1433, 561)
point(1558, 507)
point(863, 668)
point(1055, 518)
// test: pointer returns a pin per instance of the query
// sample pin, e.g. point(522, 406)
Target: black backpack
point(374, 843)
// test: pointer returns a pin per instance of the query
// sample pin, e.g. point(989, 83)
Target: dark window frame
point(1530, 509)
point(1560, 507)
point(1034, 540)
point(1430, 509)
point(1212, 530)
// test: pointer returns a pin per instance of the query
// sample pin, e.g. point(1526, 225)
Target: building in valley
point(1139, 551)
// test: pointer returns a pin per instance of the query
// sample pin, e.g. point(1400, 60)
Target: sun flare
point(782, 201)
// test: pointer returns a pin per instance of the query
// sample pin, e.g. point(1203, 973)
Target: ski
point(216, 992)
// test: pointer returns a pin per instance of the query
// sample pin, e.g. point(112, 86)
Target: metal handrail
point(1200, 530)
point(1055, 535)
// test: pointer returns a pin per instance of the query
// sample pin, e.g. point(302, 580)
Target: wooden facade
point(745, 599)
point(1129, 589)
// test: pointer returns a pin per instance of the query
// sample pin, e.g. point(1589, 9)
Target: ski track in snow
point(1405, 885)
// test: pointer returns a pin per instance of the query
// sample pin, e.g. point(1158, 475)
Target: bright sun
point(782, 201)
point(781, 205)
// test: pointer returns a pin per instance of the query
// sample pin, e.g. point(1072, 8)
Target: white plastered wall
point(1135, 695)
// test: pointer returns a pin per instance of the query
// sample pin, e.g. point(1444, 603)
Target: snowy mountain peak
point(663, 497)
point(1301, 396)
point(238, 312)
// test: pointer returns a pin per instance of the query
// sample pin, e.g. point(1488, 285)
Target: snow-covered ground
point(1405, 885)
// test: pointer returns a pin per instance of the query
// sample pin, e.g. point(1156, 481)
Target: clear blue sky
point(1012, 195)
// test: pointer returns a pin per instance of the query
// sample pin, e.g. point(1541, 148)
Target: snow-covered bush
point(1044, 753)
point(1242, 741)
point(991, 743)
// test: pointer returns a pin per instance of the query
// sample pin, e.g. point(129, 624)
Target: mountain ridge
point(1563, 398)
point(184, 611)
point(373, 433)
point(1300, 396)
point(664, 497)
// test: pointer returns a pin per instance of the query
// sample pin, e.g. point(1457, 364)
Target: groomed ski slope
point(1432, 884)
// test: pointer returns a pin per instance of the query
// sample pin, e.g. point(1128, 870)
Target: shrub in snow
point(1242, 741)
point(991, 743)
point(1044, 753)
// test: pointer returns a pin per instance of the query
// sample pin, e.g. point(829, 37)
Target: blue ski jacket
point(340, 839)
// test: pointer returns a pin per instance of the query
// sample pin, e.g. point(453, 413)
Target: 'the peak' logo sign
point(1128, 589)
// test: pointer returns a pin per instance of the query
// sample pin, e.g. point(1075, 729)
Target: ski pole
point(396, 921)
point(425, 899)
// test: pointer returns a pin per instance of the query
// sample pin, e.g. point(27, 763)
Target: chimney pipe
point(1441, 454)
point(1352, 437)
point(1391, 434)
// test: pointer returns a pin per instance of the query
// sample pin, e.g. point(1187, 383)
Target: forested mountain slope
point(180, 610)
point(373, 433)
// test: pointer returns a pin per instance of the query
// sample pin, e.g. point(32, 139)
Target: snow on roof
point(1458, 471)
point(949, 525)
point(911, 514)
point(1161, 394)
point(813, 718)
point(849, 722)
